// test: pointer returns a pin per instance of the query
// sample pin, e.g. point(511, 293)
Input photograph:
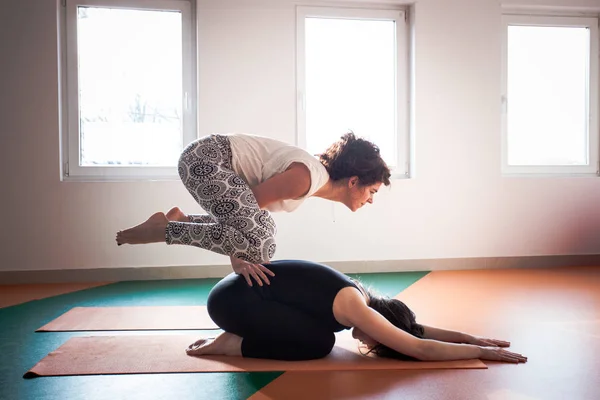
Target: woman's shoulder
point(346, 303)
point(282, 159)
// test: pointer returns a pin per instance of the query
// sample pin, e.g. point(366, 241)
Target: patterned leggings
point(235, 225)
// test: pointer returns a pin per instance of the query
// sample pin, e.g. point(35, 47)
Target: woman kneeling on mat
point(296, 316)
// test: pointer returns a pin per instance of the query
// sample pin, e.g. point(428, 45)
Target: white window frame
point(533, 19)
point(70, 168)
point(400, 17)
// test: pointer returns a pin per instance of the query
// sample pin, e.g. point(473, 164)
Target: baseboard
point(219, 271)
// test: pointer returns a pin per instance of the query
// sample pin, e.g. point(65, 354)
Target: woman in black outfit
point(296, 316)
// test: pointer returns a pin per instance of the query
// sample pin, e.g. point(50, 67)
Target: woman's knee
point(253, 241)
point(321, 347)
point(257, 251)
point(263, 236)
point(265, 222)
point(223, 298)
point(266, 249)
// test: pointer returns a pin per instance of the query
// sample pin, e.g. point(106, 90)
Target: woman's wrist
point(466, 338)
point(479, 351)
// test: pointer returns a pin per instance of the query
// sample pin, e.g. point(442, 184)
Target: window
point(127, 88)
point(550, 95)
point(352, 74)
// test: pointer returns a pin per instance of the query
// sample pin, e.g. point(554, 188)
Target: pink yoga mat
point(129, 354)
point(131, 318)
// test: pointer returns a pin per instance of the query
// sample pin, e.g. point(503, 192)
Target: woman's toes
point(197, 344)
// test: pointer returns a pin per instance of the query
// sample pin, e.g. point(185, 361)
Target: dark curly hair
point(399, 315)
point(352, 156)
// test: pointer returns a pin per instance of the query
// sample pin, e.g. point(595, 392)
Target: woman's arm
point(438, 351)
point(459, 337)
point(290, 184)
point(381, 330)
point(444, 335)
point(355, 310)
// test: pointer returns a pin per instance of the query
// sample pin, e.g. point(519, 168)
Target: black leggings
point(269, 328)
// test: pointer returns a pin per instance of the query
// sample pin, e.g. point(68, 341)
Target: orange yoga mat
point(128, 354)
point(131, 318)
point(11, 295)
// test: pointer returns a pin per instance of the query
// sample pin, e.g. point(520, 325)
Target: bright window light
point(350, 82)
point(130, 86)
point(547, 92)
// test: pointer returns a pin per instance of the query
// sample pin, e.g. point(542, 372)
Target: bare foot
point(151, 231)
point(175, 214)
point(226, 344)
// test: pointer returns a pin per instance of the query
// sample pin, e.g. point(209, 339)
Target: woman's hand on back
point(250, 270)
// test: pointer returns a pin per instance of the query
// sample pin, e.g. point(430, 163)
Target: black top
point(308, 286)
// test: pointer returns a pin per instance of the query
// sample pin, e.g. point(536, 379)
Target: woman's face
point(359, 195)
point(364, 338)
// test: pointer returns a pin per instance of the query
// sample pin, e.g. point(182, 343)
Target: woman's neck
point(330, 191)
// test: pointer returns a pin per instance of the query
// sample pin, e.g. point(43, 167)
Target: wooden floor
point(550, 315)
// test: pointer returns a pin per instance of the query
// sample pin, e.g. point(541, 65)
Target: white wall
point(457, 205)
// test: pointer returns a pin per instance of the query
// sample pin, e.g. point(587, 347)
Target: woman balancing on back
point(238, 179)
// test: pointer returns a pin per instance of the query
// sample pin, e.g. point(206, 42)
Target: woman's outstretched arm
point(445, 335)
point(382, 331)
point(355, 310)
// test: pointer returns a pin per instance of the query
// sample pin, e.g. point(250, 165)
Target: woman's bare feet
point(226, 344)
point(175, 214)
point(151, 231)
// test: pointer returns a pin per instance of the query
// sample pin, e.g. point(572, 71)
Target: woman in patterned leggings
point(238, 179)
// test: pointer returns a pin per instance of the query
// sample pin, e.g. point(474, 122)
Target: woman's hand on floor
point(500, 354)
point(247, 269)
